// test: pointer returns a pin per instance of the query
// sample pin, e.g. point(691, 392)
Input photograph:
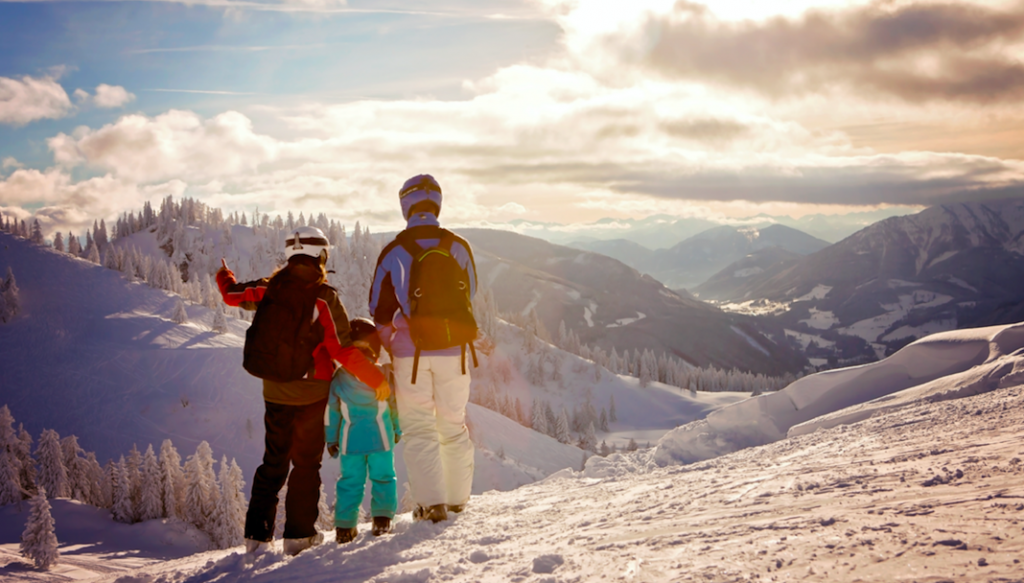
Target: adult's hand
point(332, 450)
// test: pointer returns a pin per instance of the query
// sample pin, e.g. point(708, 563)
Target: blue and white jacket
point(389, 296)
point(358, 423)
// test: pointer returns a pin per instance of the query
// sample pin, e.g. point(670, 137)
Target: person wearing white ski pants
point(438, 452)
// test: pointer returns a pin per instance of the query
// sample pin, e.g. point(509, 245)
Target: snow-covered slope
point(928, 492)
point(940, 366)
point(96, 356)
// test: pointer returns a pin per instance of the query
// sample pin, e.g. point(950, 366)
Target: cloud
point(11, 162)
point(176, 144)
point(917, 51)
point(111, 96)
point(30, 99)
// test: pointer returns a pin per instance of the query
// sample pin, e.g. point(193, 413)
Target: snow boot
point(294, 546)
point(255, 548)
point(381, 525)
point(435, 513)
point(345, 535)
point(456, 508)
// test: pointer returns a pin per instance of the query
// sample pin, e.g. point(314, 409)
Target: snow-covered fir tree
point(228, 521)
point(58, 242)
point(11, 304)
point(562, 427)
point(133, 476)
point(74, 464)
point(74, 247)
point(52, 475)
point(201, 493)
point(220, 321)
point(150, 491)
point(23, 451)
point(179, 316)
point(538, 421)
point(121, 509)
point(172, 481)
point(10, 483)
point(99, 484)
point(39, 540)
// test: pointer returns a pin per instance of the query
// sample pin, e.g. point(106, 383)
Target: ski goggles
point(423, 185)
point(316, 241)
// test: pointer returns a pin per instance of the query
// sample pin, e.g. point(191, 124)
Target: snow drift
point(848, 395)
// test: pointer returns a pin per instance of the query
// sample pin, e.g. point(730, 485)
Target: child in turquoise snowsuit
point(363, 432)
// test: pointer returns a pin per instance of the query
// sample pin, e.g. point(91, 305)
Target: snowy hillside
point(94, 355)
point(926, 488)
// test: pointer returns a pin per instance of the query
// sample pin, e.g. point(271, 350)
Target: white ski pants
point(432, 414)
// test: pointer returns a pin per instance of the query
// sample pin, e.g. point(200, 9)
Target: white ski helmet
point(306, 241)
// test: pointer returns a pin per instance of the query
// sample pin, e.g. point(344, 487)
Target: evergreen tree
point(603, 421)
point(37, 233)
point(604, 450)
point(58, 242)
point(180, 316)
point(74, 247)
point(220, 321)
point(562, 427)
point(39, 541)
point(53, 475)
point(11, 301)
point(201, 494)
point(612, 415)
point(228, 520)
point(23, 451)
point(122, 509)
point(133, 476)
point(538, 420)
point(588, 441)
point(10, 483)
point(172, 482)
point(632, 446)
point(74, 464)
point(93, 255)
point(150, 491)
point(99, 484)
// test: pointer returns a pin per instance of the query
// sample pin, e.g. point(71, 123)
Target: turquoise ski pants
point(352, 483)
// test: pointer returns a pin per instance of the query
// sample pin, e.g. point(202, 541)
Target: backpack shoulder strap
point(453, 238)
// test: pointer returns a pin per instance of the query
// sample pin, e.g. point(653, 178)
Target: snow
point(747, 272)
point(749, 340)
point(588, 316)
point(919, 331)
point(820, 319)
point(626, 321)
point(805, 339)
point(904, 469)
point(759, 307)
point(957, 281)
point(819, 292)
point(769, 417)
point(871, 329)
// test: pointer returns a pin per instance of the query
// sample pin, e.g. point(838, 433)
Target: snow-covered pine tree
point(38, 540)
point(10, 483)
point(12, 303)
point(74, 465)
point(23, 451)
point(612, 414)
point(179, 316)
point(121, 509)
point(325, 515)
point(172, 481)
point(74, 247)
point(201, 494)
point(220, 321)
point(562, 427)
point(228, 520)
point(53, 475)
point(58, 242)
point(133, 475)
point(588, 441)
point(538, 420)
point(150, 492)
point(93, 255)
point(99, 484)
point(37, 232)
point(603, 421)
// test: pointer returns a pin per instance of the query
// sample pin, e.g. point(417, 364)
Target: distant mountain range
point(610, 304)
point(691, 262)
point(665, 231)
point(947, 267)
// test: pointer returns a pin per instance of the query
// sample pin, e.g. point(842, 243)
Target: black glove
point(332, 450)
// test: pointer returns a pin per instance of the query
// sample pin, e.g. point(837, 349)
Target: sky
point(544, 110)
